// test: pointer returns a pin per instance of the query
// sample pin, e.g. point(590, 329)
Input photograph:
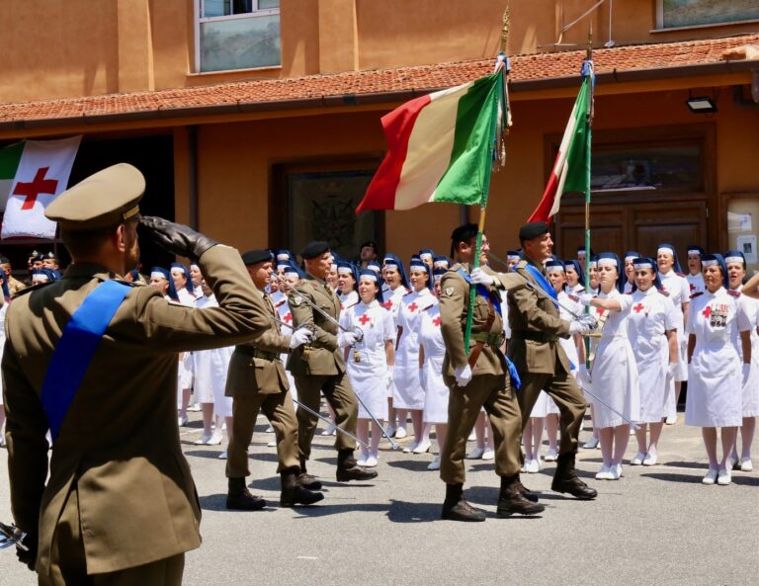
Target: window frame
point(254, 13)
point(660, 28)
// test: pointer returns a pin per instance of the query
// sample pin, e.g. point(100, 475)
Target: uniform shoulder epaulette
point(734, 292)
point(407, 294)
point(573, 297)
point(352, 305)
point(696, 294)
point(521, 264)
point(281, 302)
point(30, 288)
point(430, 306)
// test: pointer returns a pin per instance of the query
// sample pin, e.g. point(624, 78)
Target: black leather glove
point(176, 238)
point(28, 557)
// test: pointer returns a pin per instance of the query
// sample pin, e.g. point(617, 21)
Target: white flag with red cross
point(42, 174)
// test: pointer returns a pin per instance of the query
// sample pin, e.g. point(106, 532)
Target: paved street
point(657, 524)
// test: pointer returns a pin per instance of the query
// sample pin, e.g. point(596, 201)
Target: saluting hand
point(177, 238)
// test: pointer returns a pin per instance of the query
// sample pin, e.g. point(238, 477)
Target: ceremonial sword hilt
point(11, 535)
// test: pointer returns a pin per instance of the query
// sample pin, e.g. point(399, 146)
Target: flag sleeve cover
point(569, 168)
point(439, 148)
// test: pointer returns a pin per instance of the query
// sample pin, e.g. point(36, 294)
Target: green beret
point(104, 199)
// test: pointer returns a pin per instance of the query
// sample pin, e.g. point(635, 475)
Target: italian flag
point(32, 174)
point(569, 171)
point(440, 147)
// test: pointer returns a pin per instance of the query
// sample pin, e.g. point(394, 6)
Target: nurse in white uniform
point(614, 373)
point(678, 288)
point(347, 284)
point(575, 277)
point(395, 287)
point(716, 373)
point(736, 270)
point(368, 361)
point(653, 336)
point(408, 393)
point(431, 354)
point(630, 256)
point(694, 277)
point(180, 275)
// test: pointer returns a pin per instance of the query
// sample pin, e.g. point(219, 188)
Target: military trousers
point(68, 562)
point(565, 392)
point(279, 410)
point(492, 392)
point(339, 394)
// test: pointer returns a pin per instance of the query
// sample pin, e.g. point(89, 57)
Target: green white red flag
point(34, 173)
point(441, 147)
point(569, 172)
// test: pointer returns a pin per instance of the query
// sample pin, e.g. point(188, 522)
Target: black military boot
point(240, 499)
point(305, 479)
point(348, 469)
point(565, 479)
point(511, 500)
point(293, 494)
point(455, 508)
point(530, 495)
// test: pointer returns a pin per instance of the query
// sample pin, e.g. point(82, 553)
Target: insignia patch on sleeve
point(297, 300)
point(448, 291)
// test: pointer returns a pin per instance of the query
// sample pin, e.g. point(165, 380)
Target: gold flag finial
point(505, 28)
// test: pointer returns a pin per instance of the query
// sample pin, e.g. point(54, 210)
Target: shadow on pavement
point(412, 465)
point(218, 502)
point(690, 478)
point(212, 454)
point(325, 510)
point(406, 512)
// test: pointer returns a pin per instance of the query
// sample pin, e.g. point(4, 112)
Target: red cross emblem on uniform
point(364, 319)
point(638, 308)
point(599, 310)
point(39, 185)
point(413, 307)
point(388, 304)
point(287, 318)
point(692, 287)
point(437, 320)
point(707, 311)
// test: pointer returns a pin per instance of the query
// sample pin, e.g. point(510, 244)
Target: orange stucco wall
point(236, 161)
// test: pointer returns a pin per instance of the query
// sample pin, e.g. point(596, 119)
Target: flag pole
point(497, 157)
point(587, 71)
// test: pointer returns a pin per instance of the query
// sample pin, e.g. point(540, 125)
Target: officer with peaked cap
point(94, 359)
point(319, 367)
point(539, 357)
point(257, 381)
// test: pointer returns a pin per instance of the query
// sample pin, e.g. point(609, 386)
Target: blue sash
point(76, 348)
point(542, 281)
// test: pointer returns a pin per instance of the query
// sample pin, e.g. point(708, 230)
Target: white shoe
point(532, 466)
point(638, 459)
point(551, 455)
point(617, 468)
point(194, 407)
point(435, 464)
point(400, 433)
point(223, 455)
point(651, 459)
point(182, 421)
point(422, 447)
point(723, 477)
point(362, 458)
point(472, 437)
point(390, 430)
point(605, 473)
point(488, 454)
point(671, 420)
point(215, 439)
point(746, 465)
point(710, 477)
point(371, 462)
point(203, 441)
point(328, 431)
point(475, 454)
point(591, 444)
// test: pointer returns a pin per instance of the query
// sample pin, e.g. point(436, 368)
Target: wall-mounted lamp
point(701, 105)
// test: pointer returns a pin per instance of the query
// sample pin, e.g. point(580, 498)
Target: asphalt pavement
point(657, 524)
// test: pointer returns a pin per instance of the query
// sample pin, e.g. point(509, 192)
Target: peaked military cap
point(253, 257)
point(104, 199)
point(314, 249)
point(533, 230)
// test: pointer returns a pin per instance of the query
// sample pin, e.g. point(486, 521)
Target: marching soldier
point(95, 360)
point(477, 378)
point(257, 380)
point(319, 367)
point(539, 357)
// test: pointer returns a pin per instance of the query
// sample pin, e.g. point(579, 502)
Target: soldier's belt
point(256, 353)
point(490, 339)
point(533, 336)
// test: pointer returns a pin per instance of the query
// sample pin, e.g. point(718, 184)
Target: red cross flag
point(41, 173)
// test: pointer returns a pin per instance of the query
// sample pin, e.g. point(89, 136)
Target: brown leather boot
point(455, 508)
point(293, 494)
point(240, 499)
point(565, 479)
point(511, 501)
point(307, 480)
point(348, 469)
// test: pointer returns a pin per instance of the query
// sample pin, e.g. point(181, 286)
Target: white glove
point(745, 371)
point(348, 339)
point(589, 320)
point(583, 376)
point(480, 277)
point(463, 375)
point(423, 378)
point(584, 298)
point(577, 327)
point(671, 370)
point(389, 376)
point(300, 336)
